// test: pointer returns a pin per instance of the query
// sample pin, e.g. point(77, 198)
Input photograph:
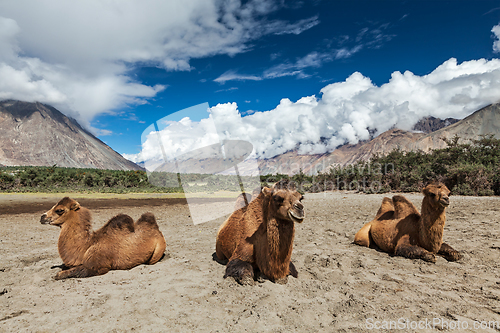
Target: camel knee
point(362, 237)
point(241, 271)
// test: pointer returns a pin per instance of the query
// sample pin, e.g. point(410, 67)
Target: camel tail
point(363, 235)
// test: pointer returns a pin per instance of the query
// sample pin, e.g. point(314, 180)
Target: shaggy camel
point(245, 198)
point(120, 244)
point(260, 236)
point(399, 228)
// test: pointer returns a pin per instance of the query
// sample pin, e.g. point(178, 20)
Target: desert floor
point(341, 286)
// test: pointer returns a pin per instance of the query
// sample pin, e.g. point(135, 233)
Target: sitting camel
point(120, 244)
point(260, 235)
point(399, 228)
point(245, 198)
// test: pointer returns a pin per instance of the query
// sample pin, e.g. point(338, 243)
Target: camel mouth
point(444, 202)
point(45, 220)
point(295, 218)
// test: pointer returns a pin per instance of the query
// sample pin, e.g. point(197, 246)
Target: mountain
point(481, 122)
point(432, 124)
point(39, 135)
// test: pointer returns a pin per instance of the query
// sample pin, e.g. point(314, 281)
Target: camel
point(245, 198)
point(119, 244)
point(259, 237)
point(399, 228)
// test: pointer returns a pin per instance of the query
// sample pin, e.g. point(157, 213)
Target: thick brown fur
point(399, 228)
point(260, 236)
point(120, 244)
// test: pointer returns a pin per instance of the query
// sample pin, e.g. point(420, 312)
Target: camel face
point(58, 214)
point(287, 205)
point(437, 194)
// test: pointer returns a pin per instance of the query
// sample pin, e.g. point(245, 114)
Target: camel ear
point(267, 191)
point(75, 206)
point(425, 191)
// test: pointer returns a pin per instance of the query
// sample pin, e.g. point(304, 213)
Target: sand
point(341, 286)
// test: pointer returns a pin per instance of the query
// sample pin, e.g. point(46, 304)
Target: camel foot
point(246, 281)
point(453, 256)
point(79, 272)
point(283, 280)
point(429, 257)
point(449, 253)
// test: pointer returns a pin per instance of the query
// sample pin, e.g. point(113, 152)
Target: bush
point(466, 168)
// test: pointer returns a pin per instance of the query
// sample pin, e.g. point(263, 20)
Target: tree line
point(467, 168)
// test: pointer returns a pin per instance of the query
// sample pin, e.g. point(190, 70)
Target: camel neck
point(431, 226)
point(280, 234)
point(75, 238)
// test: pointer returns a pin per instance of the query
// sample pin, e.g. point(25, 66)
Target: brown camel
point(120, 244)
point(399, 228)
point(245, 198)
point(260, 236)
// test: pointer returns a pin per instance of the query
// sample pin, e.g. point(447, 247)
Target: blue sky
point(267, 51)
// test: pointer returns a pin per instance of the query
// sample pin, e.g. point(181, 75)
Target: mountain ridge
point(40, 135)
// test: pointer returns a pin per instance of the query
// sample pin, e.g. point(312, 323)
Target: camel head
point(61, 212)
point(285, 201)
point(437, 194)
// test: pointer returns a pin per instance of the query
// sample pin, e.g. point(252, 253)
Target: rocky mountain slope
point(38, 134)
point(432, 124)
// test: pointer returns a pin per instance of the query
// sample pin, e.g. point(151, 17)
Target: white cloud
point(232, 75)
point(347, 110)
point(370, 38)
point(496, 43)
point(77, 55)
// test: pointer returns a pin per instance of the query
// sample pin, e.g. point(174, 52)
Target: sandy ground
point(341, 287)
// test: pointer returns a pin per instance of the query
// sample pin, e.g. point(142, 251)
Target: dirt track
point(341, 286)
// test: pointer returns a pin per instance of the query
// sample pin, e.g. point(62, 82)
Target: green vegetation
point(466, 168)
point(57, 179)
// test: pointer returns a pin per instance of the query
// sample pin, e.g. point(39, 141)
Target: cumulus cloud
point(346, 111)
point(78, 55)
point(496, 43)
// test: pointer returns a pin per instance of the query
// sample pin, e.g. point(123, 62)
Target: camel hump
point(387, 207)
point(147, 218)
point(403, 207)
point(121, 221)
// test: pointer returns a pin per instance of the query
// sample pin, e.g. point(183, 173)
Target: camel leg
point(241, 271)
point(218, 252)
point(157, 253)
point(449, 253)
point(405, 249)
point(362, 237)
point(79, 272)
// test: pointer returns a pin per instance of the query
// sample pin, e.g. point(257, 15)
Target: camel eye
point(278, 199)
point(433, 195)
point(59, 211)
